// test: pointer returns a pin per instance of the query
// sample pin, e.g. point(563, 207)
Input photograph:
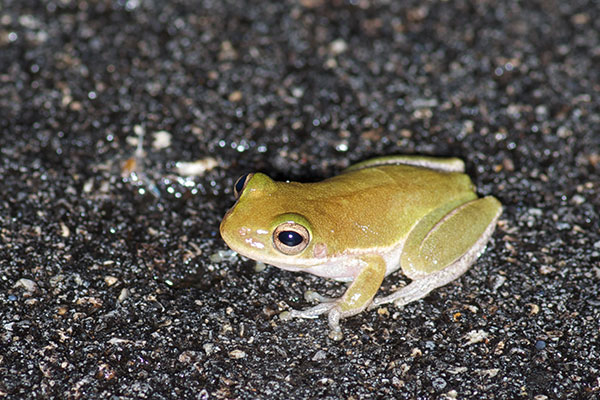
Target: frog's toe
point(336, 334)
point(334, 316)
point(312, 312)
point(311, 296)
point(414, 291)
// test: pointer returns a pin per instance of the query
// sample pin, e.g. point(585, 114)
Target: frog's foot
point(417, 289)
point(329, 306)
point(421, 287)
point(325, 304)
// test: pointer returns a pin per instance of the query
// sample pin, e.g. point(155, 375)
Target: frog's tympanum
point(420, 214)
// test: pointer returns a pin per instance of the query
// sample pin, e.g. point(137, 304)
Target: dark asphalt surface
point(112, 287)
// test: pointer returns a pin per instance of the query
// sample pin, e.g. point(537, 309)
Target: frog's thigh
point(436, 256)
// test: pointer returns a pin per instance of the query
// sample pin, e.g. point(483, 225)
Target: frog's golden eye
point(290, 238)
point(240, 185)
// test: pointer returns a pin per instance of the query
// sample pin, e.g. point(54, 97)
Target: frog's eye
point(240, 185)
point(290, 238)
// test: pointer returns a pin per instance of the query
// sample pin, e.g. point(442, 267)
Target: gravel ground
point(114, 282)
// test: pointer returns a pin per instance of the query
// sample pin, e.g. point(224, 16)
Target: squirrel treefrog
point(420, 214)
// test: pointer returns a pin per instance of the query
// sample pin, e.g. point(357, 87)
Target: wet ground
point(114, 282)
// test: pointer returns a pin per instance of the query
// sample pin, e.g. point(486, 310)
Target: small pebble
point(27, 284)
point(540, 345)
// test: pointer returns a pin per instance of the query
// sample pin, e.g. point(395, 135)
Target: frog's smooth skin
point(420, 214)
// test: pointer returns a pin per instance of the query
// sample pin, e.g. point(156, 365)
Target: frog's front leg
point(357, 297)
point(438, 252)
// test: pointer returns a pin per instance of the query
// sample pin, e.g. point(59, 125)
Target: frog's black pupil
point(290, 238)
point(239, 185)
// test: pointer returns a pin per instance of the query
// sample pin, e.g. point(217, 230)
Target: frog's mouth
point(260, 247)
point(244, 241)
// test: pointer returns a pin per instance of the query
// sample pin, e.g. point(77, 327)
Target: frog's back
point(403, 183)
point(377, 205)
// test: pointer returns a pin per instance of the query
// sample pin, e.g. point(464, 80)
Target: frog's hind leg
point(466, 231)
point(420, 288)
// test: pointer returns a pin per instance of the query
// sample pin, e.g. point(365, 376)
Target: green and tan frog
point(420, 214)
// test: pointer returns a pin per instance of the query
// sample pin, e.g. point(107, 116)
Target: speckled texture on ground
point(108, 290)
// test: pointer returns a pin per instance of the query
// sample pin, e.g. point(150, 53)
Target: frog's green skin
point(420, 214)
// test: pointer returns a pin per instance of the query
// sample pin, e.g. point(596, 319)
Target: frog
point(417, 214)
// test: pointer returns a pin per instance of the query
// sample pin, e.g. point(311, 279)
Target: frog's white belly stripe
point(347, 266)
